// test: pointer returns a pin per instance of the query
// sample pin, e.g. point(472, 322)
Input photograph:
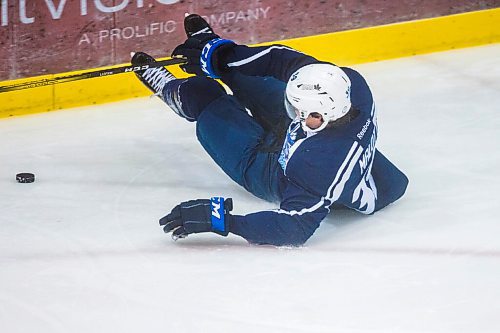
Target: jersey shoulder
point(361, 94)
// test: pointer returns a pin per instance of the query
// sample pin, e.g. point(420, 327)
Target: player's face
point(314, 120)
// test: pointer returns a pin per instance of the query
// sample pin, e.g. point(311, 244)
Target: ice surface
point(81, 249)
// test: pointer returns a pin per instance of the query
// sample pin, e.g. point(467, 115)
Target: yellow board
point(403, 39)
point(342, 48)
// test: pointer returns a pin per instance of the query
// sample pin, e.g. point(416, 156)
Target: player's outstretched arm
point(210, 55)
point(283, 227)
point(275, 228)
point(275, 60)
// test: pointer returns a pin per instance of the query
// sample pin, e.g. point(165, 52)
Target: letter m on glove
point(218, 223)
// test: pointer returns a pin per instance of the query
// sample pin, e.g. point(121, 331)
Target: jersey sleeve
point(277, 61)
point(300, 214)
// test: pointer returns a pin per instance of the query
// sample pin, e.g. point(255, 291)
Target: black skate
point(194, 24)
point(154, 78)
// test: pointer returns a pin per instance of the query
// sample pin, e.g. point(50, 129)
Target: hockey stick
point(88, 75)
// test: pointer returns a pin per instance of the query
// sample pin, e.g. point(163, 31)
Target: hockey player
point(309, 143)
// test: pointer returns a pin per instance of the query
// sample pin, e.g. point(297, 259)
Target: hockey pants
point(246, 146)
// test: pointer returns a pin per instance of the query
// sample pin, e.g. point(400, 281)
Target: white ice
point(81, 249)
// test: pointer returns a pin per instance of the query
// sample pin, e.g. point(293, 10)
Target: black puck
point(25, 177)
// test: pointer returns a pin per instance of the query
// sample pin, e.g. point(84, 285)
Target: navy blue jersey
point(338, 165)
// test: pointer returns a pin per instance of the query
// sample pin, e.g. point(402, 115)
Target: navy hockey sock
point(172, 96)
point(189, 97)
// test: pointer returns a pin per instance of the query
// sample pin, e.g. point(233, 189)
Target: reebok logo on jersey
point(361, 134)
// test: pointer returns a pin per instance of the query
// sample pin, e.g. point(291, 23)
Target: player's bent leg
point(189, 97)
point(263, 96)
point(235, 140)
point(186, 97)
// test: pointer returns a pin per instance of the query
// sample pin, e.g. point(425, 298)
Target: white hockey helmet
point(318, 88)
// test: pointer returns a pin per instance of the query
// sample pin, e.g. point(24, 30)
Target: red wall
point(51, 36)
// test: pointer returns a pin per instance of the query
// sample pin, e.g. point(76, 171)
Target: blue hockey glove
point(201, 215)
point(203, 48)
point(203, 53)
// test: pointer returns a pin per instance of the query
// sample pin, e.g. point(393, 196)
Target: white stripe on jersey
point(337, 189)
point(258, 55)
point(302, 211)
point(338, 184)
point(341, 169)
